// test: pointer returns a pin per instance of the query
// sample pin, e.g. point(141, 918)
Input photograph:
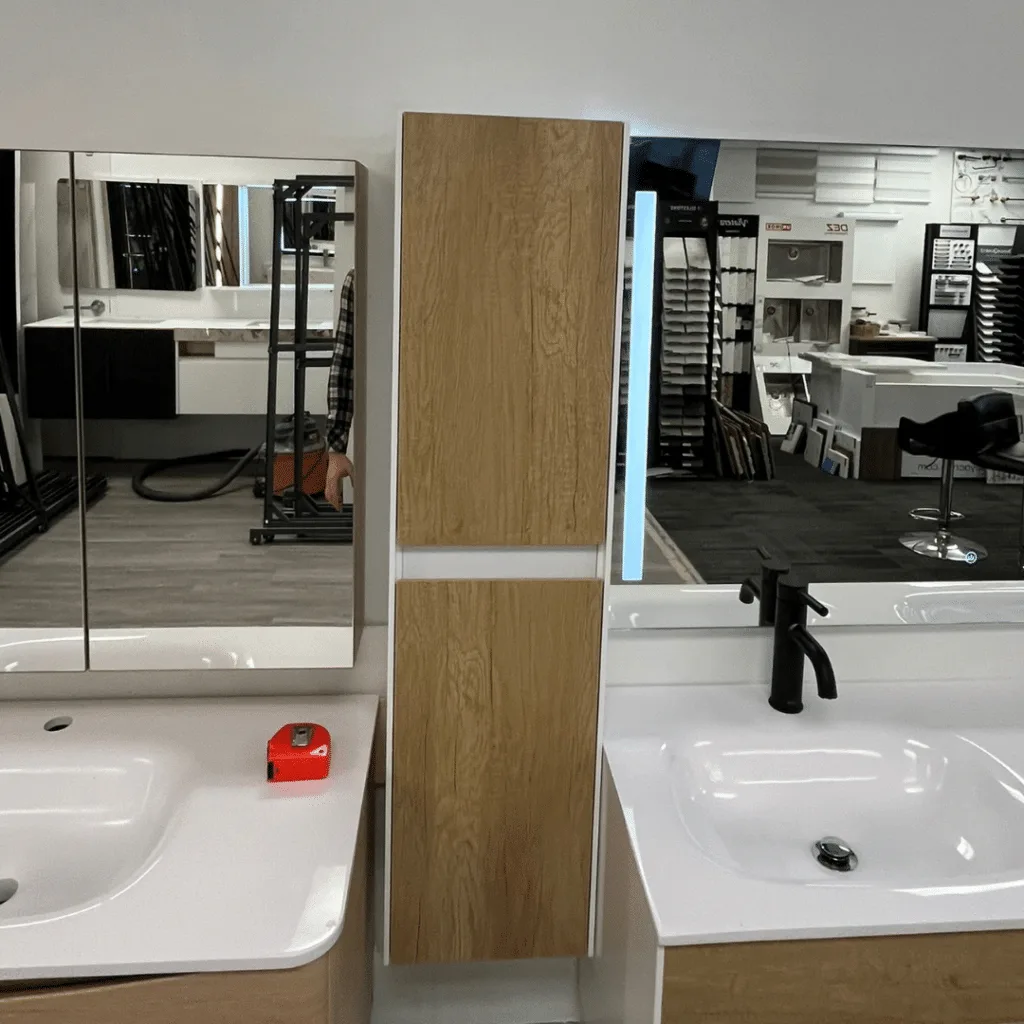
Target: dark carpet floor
point(833, 530)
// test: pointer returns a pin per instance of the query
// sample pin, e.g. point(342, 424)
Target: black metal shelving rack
point(28, 508)
point(295, 514)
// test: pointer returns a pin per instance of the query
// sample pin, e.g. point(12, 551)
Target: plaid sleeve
point(341, 383)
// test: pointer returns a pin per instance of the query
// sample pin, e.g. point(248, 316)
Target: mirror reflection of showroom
point(215, 296)
point(823, 358)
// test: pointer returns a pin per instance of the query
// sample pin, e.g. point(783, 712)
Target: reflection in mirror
point(823, 358)
point(131, 235)
point(238, 231)
point(203, 553)
point(41, 617)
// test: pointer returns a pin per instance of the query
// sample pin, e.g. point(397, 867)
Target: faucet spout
point(819, 660)
point(793, 645)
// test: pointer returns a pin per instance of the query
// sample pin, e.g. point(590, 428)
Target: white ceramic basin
point(724, 799)
point(957, 605)
point(146, 839)
point(79, 821)
point(921, 808)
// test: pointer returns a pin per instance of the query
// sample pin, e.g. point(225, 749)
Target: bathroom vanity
point(716, 904)
point(159, 369)
point(151, 872)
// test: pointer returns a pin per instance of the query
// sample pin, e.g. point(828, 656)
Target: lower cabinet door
point(126, 374)
point(494, 757)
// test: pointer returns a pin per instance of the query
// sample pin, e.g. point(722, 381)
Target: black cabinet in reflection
point(126, 374)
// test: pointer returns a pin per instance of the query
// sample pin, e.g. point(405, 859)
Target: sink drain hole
point(58, 723)
point(834, 854)
point(8, 887)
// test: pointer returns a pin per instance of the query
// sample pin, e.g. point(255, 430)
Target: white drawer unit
point(219, 386)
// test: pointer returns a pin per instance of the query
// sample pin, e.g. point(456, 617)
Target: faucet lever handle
point(814, 604)
point(772, 563)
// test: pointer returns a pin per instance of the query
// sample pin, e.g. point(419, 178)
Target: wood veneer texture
point(971, 977)
point(494, 749)
point(509, 251)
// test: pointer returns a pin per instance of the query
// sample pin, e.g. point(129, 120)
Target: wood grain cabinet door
point(509, 256)
point(495, 731)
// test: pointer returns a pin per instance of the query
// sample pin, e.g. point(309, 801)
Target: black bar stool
point(947, 437)
point(997, 420)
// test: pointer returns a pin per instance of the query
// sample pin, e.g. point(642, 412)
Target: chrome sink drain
point(834, 854)
point(8, 887)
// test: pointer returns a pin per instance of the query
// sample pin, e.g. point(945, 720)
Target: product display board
point(804, 285)
point(737, 275)
point(947, 279)
point(627, 306)
point(988, 188)
point(689, 350)
point(998, 303)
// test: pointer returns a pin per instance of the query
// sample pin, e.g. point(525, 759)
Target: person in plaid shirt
point(341, 394)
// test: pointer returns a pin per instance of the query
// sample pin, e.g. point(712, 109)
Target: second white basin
point(918, 809)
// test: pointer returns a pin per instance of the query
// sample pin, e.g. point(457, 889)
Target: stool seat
point(1003, 460)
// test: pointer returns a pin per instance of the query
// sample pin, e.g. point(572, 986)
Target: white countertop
point(925, 781)
point(246, 875)
point(177, 323)
point(703, 606)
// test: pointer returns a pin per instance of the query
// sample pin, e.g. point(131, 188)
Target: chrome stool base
point(945, 546)
point(934, 515)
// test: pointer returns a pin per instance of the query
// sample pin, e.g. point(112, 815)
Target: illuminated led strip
point(639, 385)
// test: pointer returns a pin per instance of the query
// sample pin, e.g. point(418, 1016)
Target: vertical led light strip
point(638, 396)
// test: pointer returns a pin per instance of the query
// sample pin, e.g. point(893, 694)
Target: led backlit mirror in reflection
point(804, 299)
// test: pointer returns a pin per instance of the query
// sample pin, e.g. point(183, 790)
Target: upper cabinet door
point(510, 233)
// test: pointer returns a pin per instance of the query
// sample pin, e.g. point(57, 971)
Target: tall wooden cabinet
point(510, 232)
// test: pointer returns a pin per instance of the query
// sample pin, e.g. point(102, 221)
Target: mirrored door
point(203, 552)
point(41, 557)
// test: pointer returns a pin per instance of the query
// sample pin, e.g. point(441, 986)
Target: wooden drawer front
point(495, 722)
point(509, 250)
point(913, 979)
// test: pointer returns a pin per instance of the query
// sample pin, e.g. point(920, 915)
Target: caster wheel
point(255, 539)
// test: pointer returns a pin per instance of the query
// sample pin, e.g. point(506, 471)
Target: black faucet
point(792, 644)
point(765, 591)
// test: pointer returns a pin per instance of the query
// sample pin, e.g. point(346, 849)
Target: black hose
point(242, 459)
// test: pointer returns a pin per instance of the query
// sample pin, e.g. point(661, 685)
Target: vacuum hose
point(242, 459)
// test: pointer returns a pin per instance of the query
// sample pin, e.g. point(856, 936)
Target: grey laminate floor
point(157, 564)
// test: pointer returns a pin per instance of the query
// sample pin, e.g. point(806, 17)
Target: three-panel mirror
point(178, 396)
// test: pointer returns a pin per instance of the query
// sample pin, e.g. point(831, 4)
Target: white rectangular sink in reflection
point(725, 800)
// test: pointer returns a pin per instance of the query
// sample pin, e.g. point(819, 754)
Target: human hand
point(338, 467)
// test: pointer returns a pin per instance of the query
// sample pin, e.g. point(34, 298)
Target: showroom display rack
point(291, 512)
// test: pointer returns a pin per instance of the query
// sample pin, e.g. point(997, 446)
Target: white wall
point(124, 76)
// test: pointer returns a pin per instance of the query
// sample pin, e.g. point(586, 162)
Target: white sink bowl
point(79, 821)
point(919, 809)
point(724, 799)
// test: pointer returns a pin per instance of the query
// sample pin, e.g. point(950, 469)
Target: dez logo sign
point(837, 229)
